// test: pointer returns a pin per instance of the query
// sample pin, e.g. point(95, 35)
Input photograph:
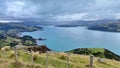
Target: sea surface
point(67, 38)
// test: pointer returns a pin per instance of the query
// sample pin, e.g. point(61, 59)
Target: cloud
point(77, 16)
point(8, 21)
point(62, 9)
point(117, 15)
point(19, 9)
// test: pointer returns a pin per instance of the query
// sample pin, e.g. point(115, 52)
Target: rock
point(40, 49)
point(19, 46)
point(101, 60)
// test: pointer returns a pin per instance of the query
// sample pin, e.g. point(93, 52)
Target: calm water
point(67, 38)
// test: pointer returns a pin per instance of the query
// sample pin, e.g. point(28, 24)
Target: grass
point(55, 60)
point(95, 50)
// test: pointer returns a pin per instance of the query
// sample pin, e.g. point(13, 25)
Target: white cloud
point(8, 21)
point(19, 9)
point(117, 15)
point(75, 16)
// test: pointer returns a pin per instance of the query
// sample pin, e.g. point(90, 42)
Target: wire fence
point(47, 58)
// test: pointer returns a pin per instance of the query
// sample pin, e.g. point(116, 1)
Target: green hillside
point(109, 27)
point(55, 60)
point(98, 52)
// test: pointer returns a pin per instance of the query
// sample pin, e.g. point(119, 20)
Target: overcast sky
point(60, 9)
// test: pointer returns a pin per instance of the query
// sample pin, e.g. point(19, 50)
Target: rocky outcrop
point(40, 49)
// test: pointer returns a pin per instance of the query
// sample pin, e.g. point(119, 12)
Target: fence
point(47, 58)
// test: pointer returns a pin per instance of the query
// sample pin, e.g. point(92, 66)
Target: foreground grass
point(55, 60)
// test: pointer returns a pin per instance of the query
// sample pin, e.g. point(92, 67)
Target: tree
point(28, 40)
point(14, 43)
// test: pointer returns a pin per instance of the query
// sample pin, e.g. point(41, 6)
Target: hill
point(98, 52)
point(16, 27)
point(109, 27)
point(84, 23)
point(55, 60)
point(10, 34)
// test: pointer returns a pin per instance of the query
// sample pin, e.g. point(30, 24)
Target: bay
point(67, 38)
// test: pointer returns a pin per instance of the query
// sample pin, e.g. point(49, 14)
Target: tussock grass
point(55, 60)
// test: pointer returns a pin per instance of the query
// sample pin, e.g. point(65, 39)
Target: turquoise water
point(67, 38)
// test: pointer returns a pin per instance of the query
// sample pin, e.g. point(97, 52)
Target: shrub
point(63, 56)
point(6, 48)
point(11, 54)
point(35, 55)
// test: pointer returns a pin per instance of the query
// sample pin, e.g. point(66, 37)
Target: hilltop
point(113, 26)
point(98, 52)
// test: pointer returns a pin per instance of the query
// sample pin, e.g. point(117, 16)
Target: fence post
point(32, 56)
point(91, 61)
point(4, 54)
point(68, 56)
point(47, 59)
point(16, 56)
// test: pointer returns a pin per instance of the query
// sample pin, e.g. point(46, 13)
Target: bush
point(63, 56)
point(6, 48)
point(11, 54)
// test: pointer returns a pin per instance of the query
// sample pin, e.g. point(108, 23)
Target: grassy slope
point(98, 52)
point(7, 41)
point(57, 60)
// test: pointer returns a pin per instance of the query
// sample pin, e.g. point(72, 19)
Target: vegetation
point(55, 60)
point(111, 27)
point(25, 40)
point(9, 34)
point(9, 37)
point(28, 40)
point(17, 27)
point(12, 30)
point(98, 52)
point(8, 41)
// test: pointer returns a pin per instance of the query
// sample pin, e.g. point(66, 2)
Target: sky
point(60, 9)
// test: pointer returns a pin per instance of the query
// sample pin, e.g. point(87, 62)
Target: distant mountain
point(113, 26)
point(84, 23)
point(97, 52)
point(17, 27)
point(102, 25)
point(65, 23)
